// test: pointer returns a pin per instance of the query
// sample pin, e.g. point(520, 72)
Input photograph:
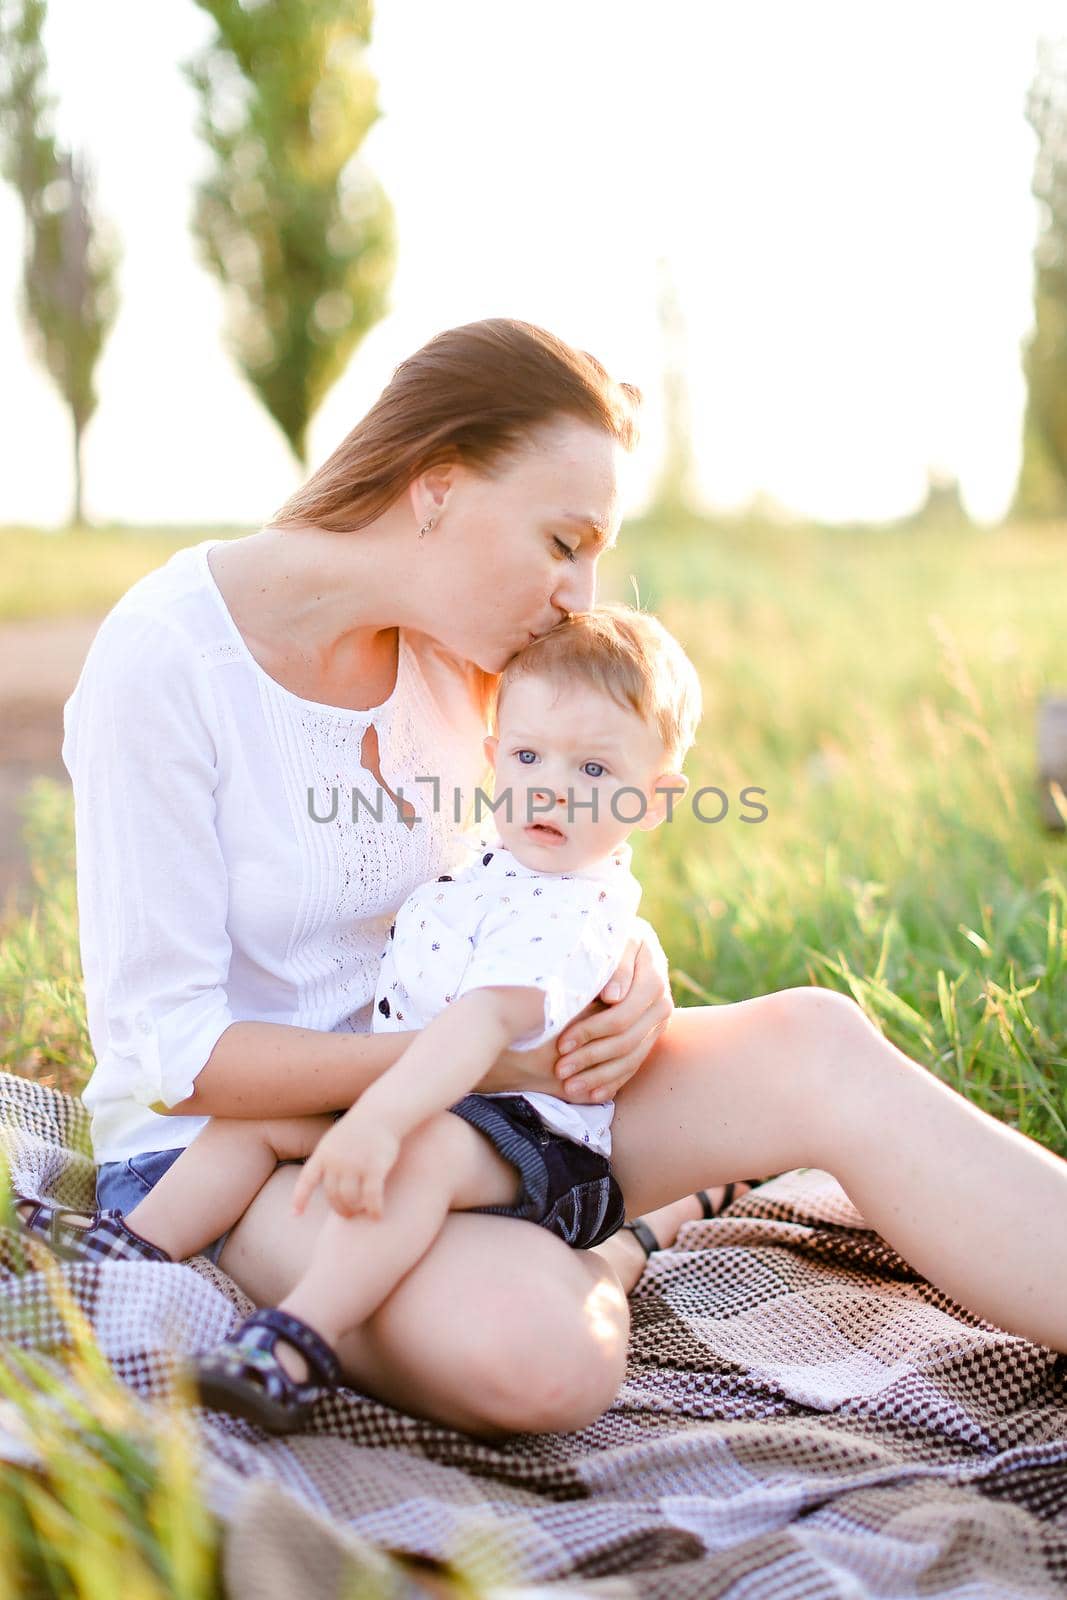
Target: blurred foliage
point(942, 505)
point(50, 575)
point(70, 260)
point(296, 228)
point(1042, 489)
point(42, 1001)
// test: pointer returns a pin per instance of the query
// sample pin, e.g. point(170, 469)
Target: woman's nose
point(577, 591)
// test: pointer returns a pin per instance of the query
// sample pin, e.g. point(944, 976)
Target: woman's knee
point(819, 1030)
point(809, 1008)
point(505, 1329)
point(558, 1369)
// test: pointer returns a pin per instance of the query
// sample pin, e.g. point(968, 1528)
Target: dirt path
point(39, 666)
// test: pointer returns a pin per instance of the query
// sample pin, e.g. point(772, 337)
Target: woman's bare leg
point(802, 1078)
point(499, 1328)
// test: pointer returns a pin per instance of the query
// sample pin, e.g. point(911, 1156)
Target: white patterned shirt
point(495, 921)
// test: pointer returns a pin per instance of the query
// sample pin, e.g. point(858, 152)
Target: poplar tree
point(1043, 476)
point(291, 221)
point(70, 259)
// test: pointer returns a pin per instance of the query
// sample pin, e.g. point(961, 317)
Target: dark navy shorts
point(566, 1188)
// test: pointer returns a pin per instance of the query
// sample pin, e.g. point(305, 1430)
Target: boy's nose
point(545, 792)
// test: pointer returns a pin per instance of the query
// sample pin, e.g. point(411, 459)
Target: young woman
point(231, 925)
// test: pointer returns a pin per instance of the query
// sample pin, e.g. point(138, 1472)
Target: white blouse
point(210, 889)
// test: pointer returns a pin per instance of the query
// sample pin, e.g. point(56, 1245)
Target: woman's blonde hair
point(473, 394)
point(627, 654)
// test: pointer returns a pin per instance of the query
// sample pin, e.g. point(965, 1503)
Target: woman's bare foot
point(624, 1251)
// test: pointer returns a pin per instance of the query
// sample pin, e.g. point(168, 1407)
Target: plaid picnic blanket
point(801, 1417)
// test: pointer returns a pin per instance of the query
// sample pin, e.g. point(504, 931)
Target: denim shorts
point(566, 1188)
point(120, 1185)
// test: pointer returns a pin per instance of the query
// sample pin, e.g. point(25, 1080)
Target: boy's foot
point(85, 1236)
point(245, 1375)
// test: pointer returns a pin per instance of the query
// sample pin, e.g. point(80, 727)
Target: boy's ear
point(668, 784)
point(489, 746)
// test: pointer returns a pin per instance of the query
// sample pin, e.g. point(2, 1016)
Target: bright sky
point(842, 193)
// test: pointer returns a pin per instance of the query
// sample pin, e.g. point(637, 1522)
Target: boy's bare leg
point(444, 1165)
point(216, 1178)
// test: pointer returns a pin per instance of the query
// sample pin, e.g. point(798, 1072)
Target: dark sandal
point(644, 1235)
point(243, 1376)
point(728, 1197)
point(106, 1237)
point(647, 1239)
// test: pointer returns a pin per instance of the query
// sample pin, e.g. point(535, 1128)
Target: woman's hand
point(599, 1052)
point(351, 1161)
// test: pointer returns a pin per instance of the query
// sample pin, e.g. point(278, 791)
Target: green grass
point(82, 570)
point(881, 687)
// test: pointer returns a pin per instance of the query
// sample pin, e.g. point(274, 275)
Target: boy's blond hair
point(627, 654)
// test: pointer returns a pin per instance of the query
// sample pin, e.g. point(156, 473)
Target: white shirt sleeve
point(568, 948)
point(140, 746)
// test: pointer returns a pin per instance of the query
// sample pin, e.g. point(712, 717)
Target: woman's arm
point(140, 742)
point(272, 1069)
point(261, 1069)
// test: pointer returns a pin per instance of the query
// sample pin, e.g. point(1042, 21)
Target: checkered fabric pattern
point(802, 1417)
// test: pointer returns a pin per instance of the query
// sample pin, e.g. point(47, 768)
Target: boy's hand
point(352, 1162)
point(609, 1047)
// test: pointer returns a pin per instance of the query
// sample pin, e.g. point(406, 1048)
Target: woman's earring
point(425, 528)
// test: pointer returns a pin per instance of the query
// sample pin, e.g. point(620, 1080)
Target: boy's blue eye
point(521, 753)
point(599, 774)
point(572, 555)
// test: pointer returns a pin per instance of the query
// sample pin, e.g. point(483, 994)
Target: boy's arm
point(451, 1054)
point(354, 1158)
